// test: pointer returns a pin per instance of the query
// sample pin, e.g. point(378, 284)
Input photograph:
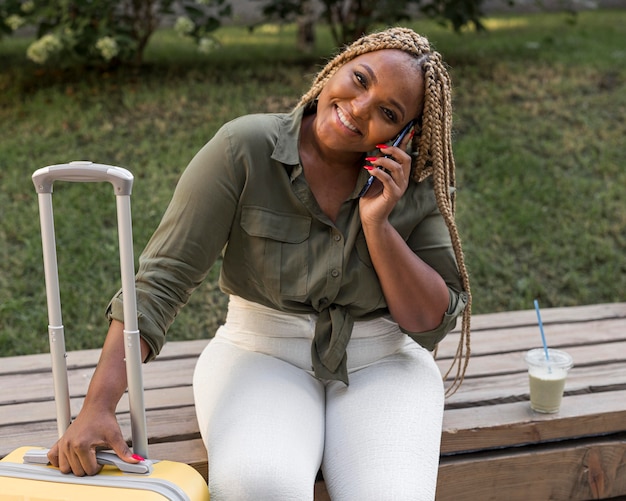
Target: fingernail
point(368, 167)
point(412, 134)
point(138, 457)
point(381, 146)
point(371, 159)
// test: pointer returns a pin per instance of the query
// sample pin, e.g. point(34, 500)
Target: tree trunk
point(306, 27)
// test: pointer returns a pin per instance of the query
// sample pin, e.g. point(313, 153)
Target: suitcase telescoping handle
point(122, 181)
point(83, 172)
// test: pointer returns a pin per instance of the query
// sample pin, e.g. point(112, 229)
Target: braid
point(431, 146)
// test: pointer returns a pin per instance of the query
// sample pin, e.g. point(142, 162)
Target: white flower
point(40, 50)
point(28, 6)
point(14, 21)
point(184, 26)
point(206, 45)
point(108, 47)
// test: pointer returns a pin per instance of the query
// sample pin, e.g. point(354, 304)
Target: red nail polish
point(371, 159)
point(381, 146)
point(368, 167)
point(138, 457)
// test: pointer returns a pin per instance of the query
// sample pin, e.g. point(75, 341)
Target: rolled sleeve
point(456, 305)
point(149, 331)
point(187, 242)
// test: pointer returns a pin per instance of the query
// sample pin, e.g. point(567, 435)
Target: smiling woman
point(363, 105)
point(336, 300)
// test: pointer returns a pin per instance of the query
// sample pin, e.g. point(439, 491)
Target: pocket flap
point(283, 227)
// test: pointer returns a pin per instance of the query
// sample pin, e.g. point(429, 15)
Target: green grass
point(539, 133)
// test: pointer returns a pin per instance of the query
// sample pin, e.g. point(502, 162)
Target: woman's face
point(369, 100)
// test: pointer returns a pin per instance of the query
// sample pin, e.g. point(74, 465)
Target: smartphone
point(395, 142)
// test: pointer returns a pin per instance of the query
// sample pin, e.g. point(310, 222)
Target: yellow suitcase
point(25, 473)
point(167, 480)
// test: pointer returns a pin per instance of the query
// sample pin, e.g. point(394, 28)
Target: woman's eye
point(360, 78)
point(389, 114)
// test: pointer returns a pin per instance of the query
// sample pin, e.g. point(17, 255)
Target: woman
point(337, 297)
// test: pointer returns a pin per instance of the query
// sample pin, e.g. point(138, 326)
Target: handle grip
point(40, 456)
point(81, 172)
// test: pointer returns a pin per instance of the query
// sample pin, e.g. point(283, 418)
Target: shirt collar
point(286, 149)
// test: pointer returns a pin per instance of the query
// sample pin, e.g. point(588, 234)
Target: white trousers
point(269, 424)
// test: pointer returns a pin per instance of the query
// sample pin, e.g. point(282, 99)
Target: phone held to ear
point(395, 142)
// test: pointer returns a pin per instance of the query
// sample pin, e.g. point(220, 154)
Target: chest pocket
point(277, 250)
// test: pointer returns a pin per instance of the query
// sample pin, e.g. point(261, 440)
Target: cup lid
point(557, 358)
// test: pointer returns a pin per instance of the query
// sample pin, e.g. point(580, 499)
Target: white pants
point(269, 425)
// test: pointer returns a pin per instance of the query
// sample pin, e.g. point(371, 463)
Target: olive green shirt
point(244, 196)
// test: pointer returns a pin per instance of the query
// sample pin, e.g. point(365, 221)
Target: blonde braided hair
point(433, 141)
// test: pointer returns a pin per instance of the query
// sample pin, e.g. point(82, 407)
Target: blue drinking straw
point(543, 336)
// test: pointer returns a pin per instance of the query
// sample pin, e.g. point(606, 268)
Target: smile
point(344, 120)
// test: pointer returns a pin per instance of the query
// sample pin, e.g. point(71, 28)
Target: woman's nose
point(361, 106)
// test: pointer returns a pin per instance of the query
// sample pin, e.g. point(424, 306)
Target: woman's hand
point(75, 451)
point(96, 425)
point(392, 169)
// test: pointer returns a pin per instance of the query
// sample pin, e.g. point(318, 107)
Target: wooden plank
point(569, 471)
point(565, 314)
point(38, 386)
point(526, 337)
point(513, 361)
point(164, 425)
point(40, 362)
point(514, 424)
point(27, 412)
point(514, 387)
point(24, 364)
point(191, 452)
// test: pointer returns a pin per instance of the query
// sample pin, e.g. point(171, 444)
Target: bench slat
point(559, 315)
point(165, 373)
point(165, 425)
point(523, 338)
point(572, 471)
point(160, 398)
point(502, 363)
point(40, 362)
point(514, 387)
point(514, 424)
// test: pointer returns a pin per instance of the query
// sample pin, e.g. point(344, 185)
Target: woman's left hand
point(392, 169)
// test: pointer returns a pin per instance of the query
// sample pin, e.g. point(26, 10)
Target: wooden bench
point(493, 446)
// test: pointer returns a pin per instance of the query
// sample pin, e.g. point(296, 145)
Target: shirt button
point(337, 238)
point(334, 273)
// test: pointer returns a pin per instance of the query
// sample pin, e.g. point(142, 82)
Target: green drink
point(547, 378)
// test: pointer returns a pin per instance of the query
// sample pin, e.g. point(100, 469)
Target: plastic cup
point(547, 378)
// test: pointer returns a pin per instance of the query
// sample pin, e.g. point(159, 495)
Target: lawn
point(540, 107)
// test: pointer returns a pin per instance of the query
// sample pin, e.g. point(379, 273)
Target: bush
point(106, 32)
